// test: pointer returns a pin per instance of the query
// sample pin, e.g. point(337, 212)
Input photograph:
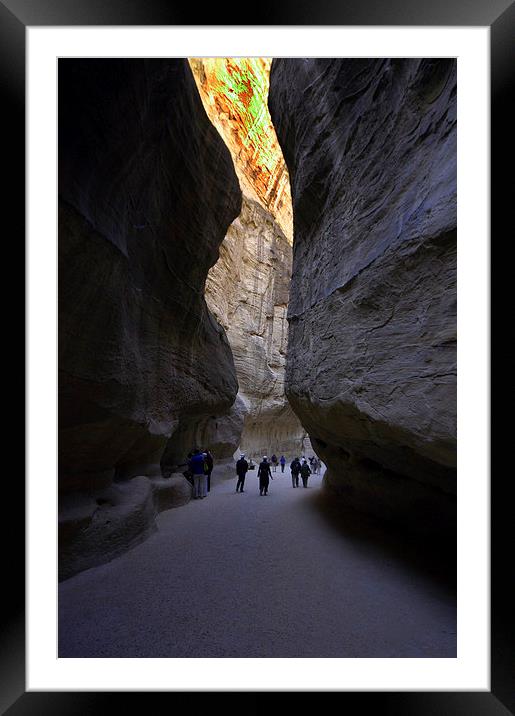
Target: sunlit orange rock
point(234, 92)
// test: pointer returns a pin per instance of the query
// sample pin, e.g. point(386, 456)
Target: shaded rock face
point(146, 193)
point(220, 434)
point(95, 527)
point(247, 290)
point(371, 151)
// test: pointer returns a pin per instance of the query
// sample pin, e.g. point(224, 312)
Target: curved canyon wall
point(247, 290)
point(147, 191)
point(371, 152)
point(234, 91)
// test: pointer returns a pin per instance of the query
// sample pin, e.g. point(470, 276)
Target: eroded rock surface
point(248, 288)
point(97, 526)
point(234, 91)
point(371, 152)
point(247, 291)
point(147, 190)
point(220, 434)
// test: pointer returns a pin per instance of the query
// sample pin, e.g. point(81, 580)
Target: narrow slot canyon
point(247, 290)
point(257, 257)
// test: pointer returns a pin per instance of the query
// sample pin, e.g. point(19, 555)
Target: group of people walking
point(298, 470)
point(281, 461)
point(200, 467)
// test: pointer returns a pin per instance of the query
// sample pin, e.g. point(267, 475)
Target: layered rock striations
point(247, 290)
point(147, 190)
point(371, 152)
point(234, 91)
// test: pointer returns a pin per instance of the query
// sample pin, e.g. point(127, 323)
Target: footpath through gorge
point(240, 575)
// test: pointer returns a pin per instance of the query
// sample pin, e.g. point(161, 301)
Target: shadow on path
point(429, 557)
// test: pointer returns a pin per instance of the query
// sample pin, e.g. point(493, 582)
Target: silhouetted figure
point(197, 468)
point(282, 460)
point(209, 465)
point(187, 473)
point(241, 470)
point(274, 461)
point(264, 473)
point(305, 472)
point(295, 472)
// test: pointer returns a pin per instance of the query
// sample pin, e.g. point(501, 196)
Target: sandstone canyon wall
point(234, 91)
point(371, 152)
point(147, 190)
point(247, 290)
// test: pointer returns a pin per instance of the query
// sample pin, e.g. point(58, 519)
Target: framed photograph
point(72, 647)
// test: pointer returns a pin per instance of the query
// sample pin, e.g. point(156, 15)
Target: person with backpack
point(264, 473)
point(274, 461)
point(295, 472)
point(305, 472)
point(282, 460)
point(242, 467)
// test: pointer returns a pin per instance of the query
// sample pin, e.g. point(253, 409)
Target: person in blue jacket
point(198, 468)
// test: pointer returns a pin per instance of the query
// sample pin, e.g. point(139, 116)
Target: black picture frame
point(499, 15)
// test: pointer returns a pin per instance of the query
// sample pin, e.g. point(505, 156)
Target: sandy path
point(239, 575)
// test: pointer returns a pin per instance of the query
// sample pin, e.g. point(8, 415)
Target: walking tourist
point(264, 473)
point(274, 461)
point(295, 471)
point(282, 460)
point(241, 470)
point(305, 472)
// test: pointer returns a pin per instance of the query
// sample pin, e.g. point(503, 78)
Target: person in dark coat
point(305, 472)
point(188, 473)
point(241, 470)
point(282, 460)
point(264, 474)
point(209, 465)
point(274, 461)
point(295, 472)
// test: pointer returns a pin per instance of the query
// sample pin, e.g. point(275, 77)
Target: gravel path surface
point(240, 575)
